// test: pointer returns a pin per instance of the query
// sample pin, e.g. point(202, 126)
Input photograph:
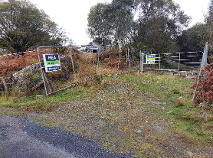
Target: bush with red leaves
point(204, 91)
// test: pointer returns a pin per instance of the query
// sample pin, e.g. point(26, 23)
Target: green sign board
point(150, 59)
point(52, 62)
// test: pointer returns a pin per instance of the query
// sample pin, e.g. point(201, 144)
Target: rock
point(158, 129)
point(19, 75)
point(24, 80)
point(138, 131)
point(189, 153)
point(158, 103)
point(39, 96)
point(203, 104)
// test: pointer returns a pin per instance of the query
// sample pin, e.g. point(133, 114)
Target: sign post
point(42, 76)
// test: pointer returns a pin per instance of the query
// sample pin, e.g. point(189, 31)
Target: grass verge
point(44, 104)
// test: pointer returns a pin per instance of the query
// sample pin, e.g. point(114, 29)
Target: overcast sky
point(72, 14)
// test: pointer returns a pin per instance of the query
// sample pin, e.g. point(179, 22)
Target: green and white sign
point(51, 62)
point(150, 59)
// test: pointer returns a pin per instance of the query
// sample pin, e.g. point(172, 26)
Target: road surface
point(23, 138)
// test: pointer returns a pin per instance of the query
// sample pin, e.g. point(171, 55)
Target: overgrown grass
point(193, 123)
point(164, 87)
point(41, 103)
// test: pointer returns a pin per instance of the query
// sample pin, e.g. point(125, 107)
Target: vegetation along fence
point(28, 74)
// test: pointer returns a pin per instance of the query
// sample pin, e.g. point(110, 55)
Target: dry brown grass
point(86, 72)
point(11, 64)
point(105, 70)
point(87, 67)
point(89, 58)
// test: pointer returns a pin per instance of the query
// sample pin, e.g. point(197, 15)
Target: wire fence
point(77, 68)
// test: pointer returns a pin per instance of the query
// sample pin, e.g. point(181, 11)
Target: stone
point(189, 153)
point(158, 103)
point(138, 131)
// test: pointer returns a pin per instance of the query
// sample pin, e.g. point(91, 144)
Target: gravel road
point(23, 138)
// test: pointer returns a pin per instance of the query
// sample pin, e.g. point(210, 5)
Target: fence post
point(5, 86)
point(141, 61)
point(129, 63)
point(159, 61)
point(179, 62)
point(98, 59)
point(73, 66)
point(202, 66)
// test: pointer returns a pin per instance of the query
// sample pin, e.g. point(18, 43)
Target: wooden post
point(45, 85)
point(129, 63)
point(159, 61)
point(98, 58)
point(5, 86)
point(119, 58)
point(179, 62)
point(49, 85)
point(42, 75)
point(119, 55)
point(73, 66)
point(141, 61)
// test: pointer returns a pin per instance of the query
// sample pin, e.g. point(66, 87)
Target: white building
point(91, 47)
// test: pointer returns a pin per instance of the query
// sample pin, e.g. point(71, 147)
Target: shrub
point(204, 91)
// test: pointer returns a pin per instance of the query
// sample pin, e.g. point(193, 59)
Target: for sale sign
point(51, 62)
point(150, 59)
